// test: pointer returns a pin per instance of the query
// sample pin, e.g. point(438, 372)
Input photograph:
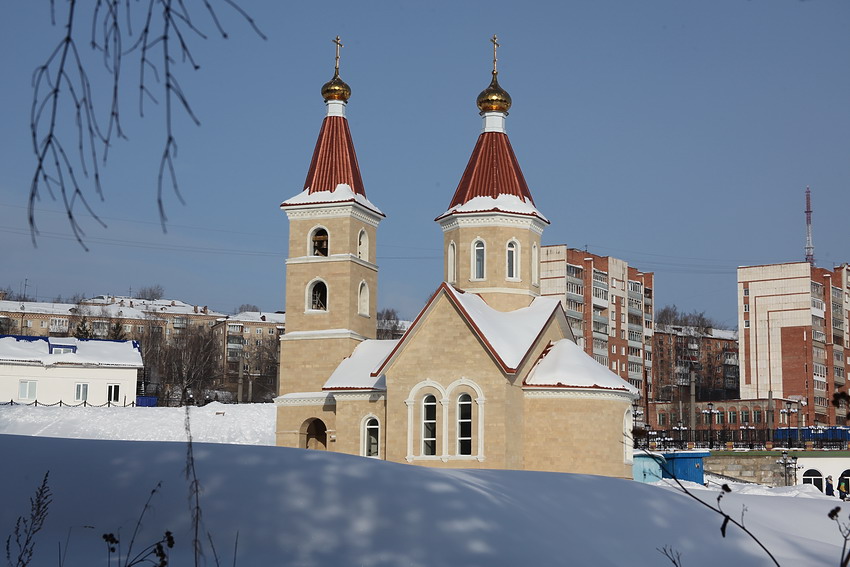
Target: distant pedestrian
point(842, 488)
point(829, 490)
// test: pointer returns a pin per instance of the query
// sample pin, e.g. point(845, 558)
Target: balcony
point(180, 322)
point(818, 336)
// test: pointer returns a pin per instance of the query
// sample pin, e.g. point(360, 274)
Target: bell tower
point(331, 274)
point(492, 229)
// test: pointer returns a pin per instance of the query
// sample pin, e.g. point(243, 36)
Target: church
point(488, 375)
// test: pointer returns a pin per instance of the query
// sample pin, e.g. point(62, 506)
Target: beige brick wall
point(292, 420)
point(350, 415)
point(496, 239)
point(578, 435)
point(305, 365)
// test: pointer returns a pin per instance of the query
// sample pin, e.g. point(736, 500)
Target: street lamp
point(787, 463)
point(788, 411)
point(710, 413)
point(747, 430)
point(680, 428)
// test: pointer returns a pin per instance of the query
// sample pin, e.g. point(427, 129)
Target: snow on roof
point(512, 333)
point(502, 203)
point(566, 365)
point(341, 194)
point(37, 307)
point(88, 352)
point(257, 317)
point(173, 306)
point(688, 331)
point(355, 372)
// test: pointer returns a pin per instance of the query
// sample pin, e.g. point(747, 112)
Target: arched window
point(429, 425)
point(319, 296)
point(535, 265)
point(320, 242)
point(450, 264)
point(511, 260)
point(363, 299)
point(813, 477)
point(478, 260)
point(464, 424)
point(363, 246)
point(371, 437)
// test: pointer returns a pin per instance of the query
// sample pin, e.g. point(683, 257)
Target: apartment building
point(610, 307)
point(712, 355)
point(792, 320)
point(250, 354)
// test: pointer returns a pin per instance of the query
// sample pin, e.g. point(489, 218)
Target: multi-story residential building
point(792, 320)
point(250, 354)
point(712, 355)
point(610, 307)
point(679, 353)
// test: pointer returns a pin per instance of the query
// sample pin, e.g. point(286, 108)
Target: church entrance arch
point(314, 435)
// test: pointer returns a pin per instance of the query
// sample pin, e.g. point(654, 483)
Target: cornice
point(323, 334)
point(577, 393)
point(333, 258)
point(463, 220)
point(350, 396)
point(332, 210)
point(290, 400)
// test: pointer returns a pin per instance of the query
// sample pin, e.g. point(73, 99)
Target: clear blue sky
point(679, 136)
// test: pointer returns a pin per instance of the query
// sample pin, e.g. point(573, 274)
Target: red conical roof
point(492, 170)
point(334, 160)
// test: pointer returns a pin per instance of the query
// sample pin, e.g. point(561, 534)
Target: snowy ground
point(300, 508)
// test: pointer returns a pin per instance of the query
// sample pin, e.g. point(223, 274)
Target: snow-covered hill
point(300, 508)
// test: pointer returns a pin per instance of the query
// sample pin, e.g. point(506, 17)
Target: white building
point(53, 369)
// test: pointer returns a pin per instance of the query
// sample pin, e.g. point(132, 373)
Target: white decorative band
point(322, 334)
point(578, 393)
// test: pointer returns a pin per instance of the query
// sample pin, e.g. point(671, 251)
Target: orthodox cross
point(338, 45)
point(495, 41)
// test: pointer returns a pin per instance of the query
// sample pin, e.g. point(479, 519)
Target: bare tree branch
point(63, 105)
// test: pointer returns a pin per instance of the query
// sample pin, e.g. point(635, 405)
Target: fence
point(827, 438)
point(60, 403)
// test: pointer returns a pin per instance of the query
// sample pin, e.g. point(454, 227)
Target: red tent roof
point(334, 160)
point(492, 170)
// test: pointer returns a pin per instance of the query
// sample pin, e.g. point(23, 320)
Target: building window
point(429, 425)
point(81, 392)
point(371, 437)
point(746, 291)
point(319, 241)
point(112, 392)
point(27, 389)
point(319, 296)
point(464, 425)
point(747, 324)
point(478, 260)
point(511, 259)
point(363, 246)
point(746, 308)
point(451, 264)
point(259, 331)
point(535, 265)
point(363, 299)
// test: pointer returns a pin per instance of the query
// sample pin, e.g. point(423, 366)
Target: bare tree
point(389, 326)
point(246, 307)
point(64, 123)
point(189, 361)
point(151, 292)
point(670, 315)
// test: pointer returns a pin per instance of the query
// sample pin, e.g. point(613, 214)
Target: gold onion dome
point(494, 98)
point(336, 89)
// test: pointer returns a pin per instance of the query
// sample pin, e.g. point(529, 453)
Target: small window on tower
point(363, 246)
point(320, 242)
point(478, 260)
point(319, 297)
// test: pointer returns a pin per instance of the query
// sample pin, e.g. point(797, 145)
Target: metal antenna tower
point(810, 248)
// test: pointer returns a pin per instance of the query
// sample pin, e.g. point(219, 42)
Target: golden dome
point(494, 98)
point(336, 89)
